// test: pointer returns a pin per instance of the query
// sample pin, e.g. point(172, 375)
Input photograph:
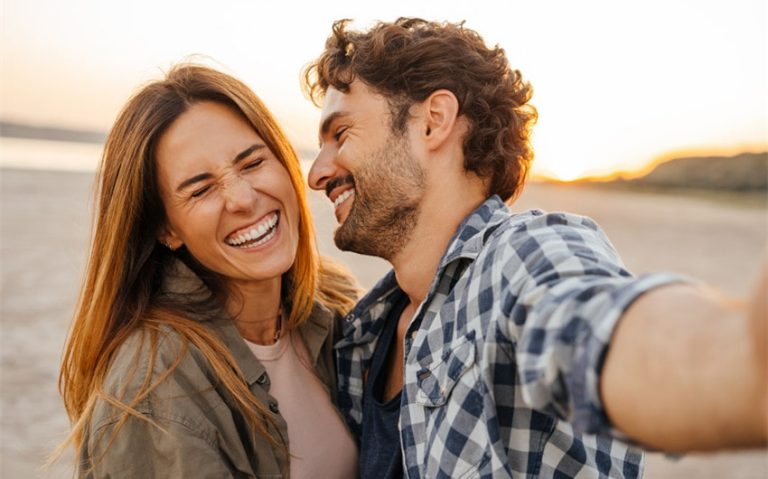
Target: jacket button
point(262, 379)
point(273, 407)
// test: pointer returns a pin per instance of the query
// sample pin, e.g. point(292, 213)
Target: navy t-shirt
point(380, 453)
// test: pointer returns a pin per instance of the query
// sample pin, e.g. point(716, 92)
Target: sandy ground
point(44, 229)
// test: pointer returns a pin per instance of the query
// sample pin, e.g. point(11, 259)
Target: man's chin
point(348, 238)
point(372, 233)
point(342, 238)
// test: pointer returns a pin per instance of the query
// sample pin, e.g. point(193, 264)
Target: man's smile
point(339, 190)
point(344, 196)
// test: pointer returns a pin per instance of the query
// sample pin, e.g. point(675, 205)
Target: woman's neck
point(256, 310)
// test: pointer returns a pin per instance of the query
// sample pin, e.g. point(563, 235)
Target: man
point(485, 352)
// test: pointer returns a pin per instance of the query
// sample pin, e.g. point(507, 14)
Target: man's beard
point(388, 192)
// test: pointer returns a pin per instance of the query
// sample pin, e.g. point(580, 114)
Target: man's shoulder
point(536, 242)
point(536, 221)
point(536, 228)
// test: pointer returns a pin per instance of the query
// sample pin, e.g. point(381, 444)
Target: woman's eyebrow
point(204, 176)
point(190, 181)
point(247, 152)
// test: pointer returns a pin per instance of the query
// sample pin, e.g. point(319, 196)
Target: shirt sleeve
point(142, 449)
point(563, 305)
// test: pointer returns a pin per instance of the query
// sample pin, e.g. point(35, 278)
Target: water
point(29, 154)
point(23, 153)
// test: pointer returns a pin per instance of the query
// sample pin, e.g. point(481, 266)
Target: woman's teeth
point(257, 235)
point(272, 232)
point(343, 197)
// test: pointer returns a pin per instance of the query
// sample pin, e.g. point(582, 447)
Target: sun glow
point(617, 85)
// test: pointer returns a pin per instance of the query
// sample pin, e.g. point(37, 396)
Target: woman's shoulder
point(155, 372)
point(142, 350)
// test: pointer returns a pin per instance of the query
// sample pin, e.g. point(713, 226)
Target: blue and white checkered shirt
point(504, 355)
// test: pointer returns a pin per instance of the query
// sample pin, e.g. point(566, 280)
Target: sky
point(617, 84)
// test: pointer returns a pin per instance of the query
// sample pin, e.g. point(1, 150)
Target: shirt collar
point(474, 231)
point(467, 242)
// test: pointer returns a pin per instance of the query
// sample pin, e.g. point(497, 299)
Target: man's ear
point(441, 110)
point(169, 238)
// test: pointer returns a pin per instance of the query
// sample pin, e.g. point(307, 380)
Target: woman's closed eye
point(250, 165)
point(200, 191)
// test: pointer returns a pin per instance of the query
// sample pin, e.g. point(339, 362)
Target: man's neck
point(441, 214)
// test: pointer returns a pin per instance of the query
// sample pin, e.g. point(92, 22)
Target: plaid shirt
point(504, 355)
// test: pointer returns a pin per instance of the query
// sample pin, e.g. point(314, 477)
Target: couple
point(211, 340)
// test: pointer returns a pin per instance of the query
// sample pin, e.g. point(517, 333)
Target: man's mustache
point(338, 181)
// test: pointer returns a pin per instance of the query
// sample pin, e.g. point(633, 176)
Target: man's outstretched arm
point(686, 370)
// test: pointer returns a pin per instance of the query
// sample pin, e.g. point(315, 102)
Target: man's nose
point(322, 170)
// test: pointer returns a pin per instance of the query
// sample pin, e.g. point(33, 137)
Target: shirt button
point(273, 406)
point(262, 379)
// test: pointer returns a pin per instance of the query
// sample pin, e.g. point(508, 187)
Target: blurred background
point(653, 120)
point(618, 85)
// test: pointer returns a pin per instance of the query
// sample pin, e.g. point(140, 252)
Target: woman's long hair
point(125, 267)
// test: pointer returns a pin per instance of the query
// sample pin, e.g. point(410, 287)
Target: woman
point(203, 336)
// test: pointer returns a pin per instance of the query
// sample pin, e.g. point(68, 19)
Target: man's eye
point(200, 191)
point(339, 132)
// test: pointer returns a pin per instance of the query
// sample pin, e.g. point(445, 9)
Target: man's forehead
point(332, 103)
point(359, 99)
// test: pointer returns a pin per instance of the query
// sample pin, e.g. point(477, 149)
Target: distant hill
point(19, 130)
point(744, 172)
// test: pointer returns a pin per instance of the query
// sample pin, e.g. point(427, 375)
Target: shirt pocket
point(437, 378)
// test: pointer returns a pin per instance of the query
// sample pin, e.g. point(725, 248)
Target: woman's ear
point(170, 239)
point(441, 109)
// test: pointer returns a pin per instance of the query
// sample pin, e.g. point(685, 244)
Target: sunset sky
point(617, 84)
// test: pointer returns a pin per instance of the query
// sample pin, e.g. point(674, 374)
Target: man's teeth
point(259, 234)
point(343, 197)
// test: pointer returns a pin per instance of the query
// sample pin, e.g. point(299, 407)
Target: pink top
point(319, 442)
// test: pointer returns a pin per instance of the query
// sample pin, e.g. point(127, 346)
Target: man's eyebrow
point(329, 120)
point(204, 176)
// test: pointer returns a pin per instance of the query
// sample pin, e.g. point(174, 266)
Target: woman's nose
point(239, 195)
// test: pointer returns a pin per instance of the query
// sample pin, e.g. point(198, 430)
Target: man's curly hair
point(407, 60)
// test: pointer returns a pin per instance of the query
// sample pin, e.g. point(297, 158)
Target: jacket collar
point(180, 280)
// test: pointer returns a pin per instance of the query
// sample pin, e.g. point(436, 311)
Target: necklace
point(279, 329)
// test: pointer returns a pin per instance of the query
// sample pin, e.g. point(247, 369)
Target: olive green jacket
point(203, 433)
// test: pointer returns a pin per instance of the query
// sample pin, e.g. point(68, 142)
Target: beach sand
point(44, 233)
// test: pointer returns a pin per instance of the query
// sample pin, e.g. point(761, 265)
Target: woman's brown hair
point(409, 59)
point(126, 263)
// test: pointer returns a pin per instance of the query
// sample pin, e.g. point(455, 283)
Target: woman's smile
point(256, 234)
